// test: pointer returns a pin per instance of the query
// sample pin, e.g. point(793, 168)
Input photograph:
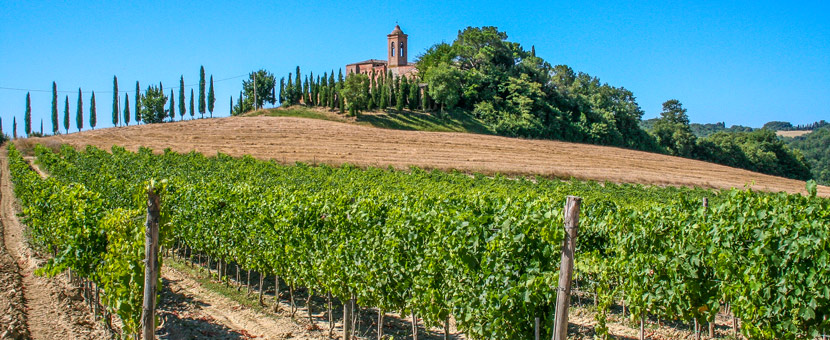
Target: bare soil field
point(792, 133)
point(288, 140)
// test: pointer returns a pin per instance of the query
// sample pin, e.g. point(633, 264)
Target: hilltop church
point(397, 58)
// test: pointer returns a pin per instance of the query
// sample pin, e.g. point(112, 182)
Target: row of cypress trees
point(383, 90)
point(119, 117)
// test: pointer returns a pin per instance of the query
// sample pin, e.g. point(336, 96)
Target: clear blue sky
point(738, 62)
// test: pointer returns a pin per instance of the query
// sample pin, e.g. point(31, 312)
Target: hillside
point(289, 139)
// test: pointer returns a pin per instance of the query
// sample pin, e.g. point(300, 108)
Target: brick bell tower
point(397, 48)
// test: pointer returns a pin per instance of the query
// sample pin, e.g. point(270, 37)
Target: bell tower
point(396, 47)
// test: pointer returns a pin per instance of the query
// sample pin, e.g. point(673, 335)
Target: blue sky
point(737, 62)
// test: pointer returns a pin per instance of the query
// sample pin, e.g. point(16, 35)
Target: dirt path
point(49, 311)
point(190, 311)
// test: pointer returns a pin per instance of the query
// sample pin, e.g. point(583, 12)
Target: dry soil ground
point(287, 140)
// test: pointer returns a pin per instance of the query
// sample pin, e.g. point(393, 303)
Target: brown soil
point(792, 133)
point(45, 305)
point(288, 140)
point(190, 311)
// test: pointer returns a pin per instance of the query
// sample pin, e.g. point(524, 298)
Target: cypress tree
point(79, 113)
point(211, 97)
point(306, 96)
point(400, 100)
point(66, 115)
point(93, 112)
point(3, 136)
point(202, 103)
point(172, 110)
point(317, 91)
point(324, 90)
point(115, 100)
point(298, 86)
point(192, 111)
point(289, 91)
point(137, 103)
point(14, 127)
point(332, 94)
point(311, 88)
point(127, 109)
point(27, 116)
point(41, 127)
point(230, 111)
point(55, 124)
point(281, 98)
point(414, 91)
point(425, 100)
point(182, 108)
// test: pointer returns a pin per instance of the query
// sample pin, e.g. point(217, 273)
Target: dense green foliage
point(152, 106)
point(265, 83)
point(127, 109)
point(787, 126)
point(815, 147)
point(759, 150)
point(95, 236)
point(486, 250)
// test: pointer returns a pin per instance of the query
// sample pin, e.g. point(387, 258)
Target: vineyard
point(481, 250)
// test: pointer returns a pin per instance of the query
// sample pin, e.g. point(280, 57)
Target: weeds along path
point(44, 304)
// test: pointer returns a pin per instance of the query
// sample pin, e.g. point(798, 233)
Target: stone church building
point(397, 51)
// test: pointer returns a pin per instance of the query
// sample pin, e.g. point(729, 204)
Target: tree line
point(148, 107)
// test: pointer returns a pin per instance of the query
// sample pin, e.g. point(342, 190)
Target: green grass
point(392, 119)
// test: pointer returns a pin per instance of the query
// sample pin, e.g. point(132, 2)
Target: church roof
point(397, 30)
point(370, 61)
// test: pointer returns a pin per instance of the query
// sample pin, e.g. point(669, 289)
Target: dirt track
point(49, 311)
point(317, 141)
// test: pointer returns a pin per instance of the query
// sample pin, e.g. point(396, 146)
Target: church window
point(401, 51)
point(393, 49)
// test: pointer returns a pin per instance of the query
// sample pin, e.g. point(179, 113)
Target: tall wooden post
point(151, 247)
point(563, 296)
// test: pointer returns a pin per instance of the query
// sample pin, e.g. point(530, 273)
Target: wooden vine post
point(563, 296)
point(151, 264)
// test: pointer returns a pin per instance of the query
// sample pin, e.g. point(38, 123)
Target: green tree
point(93, 112)
point(55, 124)
point(211, 97)
point(332, 91)
point(265, 83)
point(282, 91)
point(27, 116)
point(152, 108)
point(289, 91)
point(298, 86)
point(66, 115)
point(137, 103)
point(182, 108)
point(230, 112)
point(306, 95)
point(202, 103)
point(127, 109)
point(115, 99)
point(172, 111)
point(79, 112)
point(443, 82)
point(354, 92)
point(14, 127)
point(192, 111)
point(413, 92)
point(672, 129)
